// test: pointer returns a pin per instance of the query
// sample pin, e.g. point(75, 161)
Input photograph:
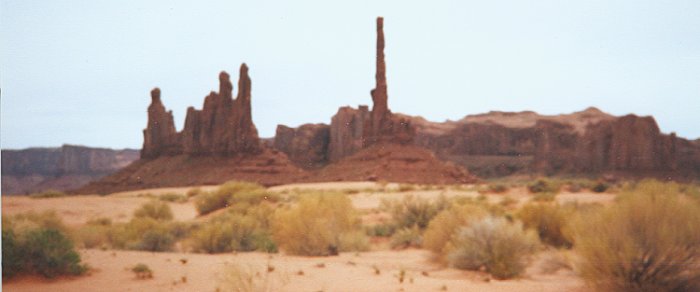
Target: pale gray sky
point(80, 72)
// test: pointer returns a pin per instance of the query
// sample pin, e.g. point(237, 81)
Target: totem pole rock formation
point(383, 125)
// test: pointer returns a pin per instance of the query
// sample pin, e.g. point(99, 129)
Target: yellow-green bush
point(549, 221)
point(499, 246)
point(232, 193)
point(155, 210)
point(407, 237)
point(413, 210)
point(143, 233)
point(439, 233)
point(315, 225)
point(647, 241)
point(234, 232)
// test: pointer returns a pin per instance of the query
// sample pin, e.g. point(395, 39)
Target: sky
point(80, 72)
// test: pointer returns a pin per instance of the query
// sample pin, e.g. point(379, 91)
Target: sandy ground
point(347, 272)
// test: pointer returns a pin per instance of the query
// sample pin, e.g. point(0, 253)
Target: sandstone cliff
point(68, 167)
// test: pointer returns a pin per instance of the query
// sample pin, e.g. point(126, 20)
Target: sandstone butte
point(220, 142)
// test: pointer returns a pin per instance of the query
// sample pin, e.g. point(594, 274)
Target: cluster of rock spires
point(220, 142)
point(223, 127)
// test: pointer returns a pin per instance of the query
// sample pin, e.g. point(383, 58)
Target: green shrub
point(48, 194)
point(12, 261)
point(407, 237)
point(142, 271)
point(439, 233)
point(143, 233)
point(37, 249)
point(600, 187)
point(155, 210)
point(549, 221)
point(647, 241)
point(173, 197)
point(544, 186)
point(414, 210)
point(495, 244)
point(241, 228)
point(381, 230)
point(314, 226)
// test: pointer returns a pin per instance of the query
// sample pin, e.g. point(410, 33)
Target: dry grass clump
point(414, 211)
point(544, 185)
point(37, 243)
point(232, 193)
point(494, 244)
point(238, 279)
point(647, 241)
point(315, 226)
point(236, 230)
point(48, 194)
point(173, 198)
point(155, 210)
point(549, 221)
point(407, 237)
point(437, 237)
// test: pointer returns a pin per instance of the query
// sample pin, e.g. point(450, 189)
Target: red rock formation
point(383, 126)
point(306, 146)
point(159, 137)
point(346, 131)
point(628, 143)
point(223, 127)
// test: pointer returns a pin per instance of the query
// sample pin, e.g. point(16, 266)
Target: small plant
point(500, 247)
point(544, 186)
point(401, 276)
point(406, 188)
point(155, 210)
point(414, 211)
point(647, 241)
point(193, 192)
point(142, 271)
point(376, 270)
point(550, 222)
point(173, 198)
point(439, 233)
point(48, 194)
point(407, 237)
point(381, 230)
point(232, 193)
point(600, 187)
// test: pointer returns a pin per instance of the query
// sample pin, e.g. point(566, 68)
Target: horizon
point(639, 58)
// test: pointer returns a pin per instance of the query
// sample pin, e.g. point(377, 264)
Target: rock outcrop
point(306, 146)
point(223, 127)
point(68, 167)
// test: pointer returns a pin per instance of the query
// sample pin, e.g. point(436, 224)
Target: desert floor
point(375, 270)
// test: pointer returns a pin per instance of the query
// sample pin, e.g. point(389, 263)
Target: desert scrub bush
point(407, 237)
point(647, 241)
point(499, 246)
point(406, 188)
point(238, 279)
point(30, 245)
point(544, 186)
point(173, 198)
point(232, 193)
point(600, 187)
point(142, 271)
point(493, 188)
point(354, 241)
point(544, 197)
point(193, 192)
point(315, 225)
point(48, 194)
point(233, 232)
point(549, 221)
point(143, 234)
point(93, 235)
point(438, 235)
point(413, 210)
point(381, 230)
point(155, 210)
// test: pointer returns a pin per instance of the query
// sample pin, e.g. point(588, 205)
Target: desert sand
point(376, 270)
